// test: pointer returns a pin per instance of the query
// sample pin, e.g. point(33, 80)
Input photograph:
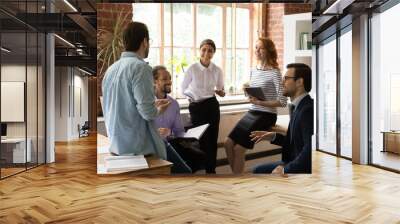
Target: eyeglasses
point(289, 77)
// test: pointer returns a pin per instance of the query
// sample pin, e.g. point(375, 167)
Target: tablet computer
point(255, 92)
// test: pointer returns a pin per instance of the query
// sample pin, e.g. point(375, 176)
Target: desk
point(391, 141)
point(156, 165)
point(13, 150)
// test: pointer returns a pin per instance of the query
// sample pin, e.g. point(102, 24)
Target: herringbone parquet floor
point(69, 191)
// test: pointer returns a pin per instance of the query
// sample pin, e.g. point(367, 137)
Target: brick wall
point(106, 14)
point(292, 8)
point(274, 13)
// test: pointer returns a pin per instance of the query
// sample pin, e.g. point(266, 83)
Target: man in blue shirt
point(129, 103)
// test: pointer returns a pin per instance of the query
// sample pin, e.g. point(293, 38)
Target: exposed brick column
point(106, 14)
point(273, 16)
point(292, 8)
point(274, 27)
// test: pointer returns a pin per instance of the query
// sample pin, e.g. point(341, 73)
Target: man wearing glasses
point(296, 145)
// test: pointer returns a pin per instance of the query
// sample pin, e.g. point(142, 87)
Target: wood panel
point(69, 191)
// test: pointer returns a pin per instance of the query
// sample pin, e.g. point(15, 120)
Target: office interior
point(176, 31)
point(354, 177)
point(48, 74)
point(357, 114)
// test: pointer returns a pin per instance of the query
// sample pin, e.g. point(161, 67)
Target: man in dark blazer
point(296, 145)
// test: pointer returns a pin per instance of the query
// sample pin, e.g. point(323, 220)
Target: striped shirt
point(270, 82)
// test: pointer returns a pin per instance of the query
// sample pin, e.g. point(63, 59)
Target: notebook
point(125, 163)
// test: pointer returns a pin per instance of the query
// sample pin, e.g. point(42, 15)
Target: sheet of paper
point(196, 132)
point(121, 163)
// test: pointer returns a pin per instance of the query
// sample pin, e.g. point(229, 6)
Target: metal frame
point(26, 31)
point(340, 30)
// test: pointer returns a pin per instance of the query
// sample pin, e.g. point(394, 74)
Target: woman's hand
point(220, 93)
point(254, 100)
point(245, 85)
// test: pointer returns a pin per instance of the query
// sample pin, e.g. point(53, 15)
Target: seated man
point(170, 124)
point(296, 145)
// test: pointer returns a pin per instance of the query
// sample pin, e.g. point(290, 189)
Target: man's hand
point(220, 93)
point(164, 132)
point(257, 136)
point(162, 105)
point(279, 170)
point(254, 100)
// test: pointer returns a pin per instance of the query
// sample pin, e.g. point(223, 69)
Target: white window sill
point(227, 100)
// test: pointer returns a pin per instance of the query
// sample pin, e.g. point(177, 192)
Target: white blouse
point(200, 82)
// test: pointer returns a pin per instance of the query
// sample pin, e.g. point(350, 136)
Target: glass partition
point(346, 93)
point(22, 77)
point(385, 89)
point(327, 96)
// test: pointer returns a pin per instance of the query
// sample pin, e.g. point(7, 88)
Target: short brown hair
point(134, 34)
point(302, 71)
point(208, 42)
point(156, 69)
point(272, 55)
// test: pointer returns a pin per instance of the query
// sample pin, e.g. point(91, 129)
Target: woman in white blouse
point(202, 81)
point(263, 113)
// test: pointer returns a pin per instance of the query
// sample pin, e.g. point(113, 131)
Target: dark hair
point(302, 71)
point(208, 42)
point(156, 69)
point(272, 54)
point(134, 34)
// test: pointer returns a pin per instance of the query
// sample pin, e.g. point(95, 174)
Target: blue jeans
point(267, 167)
point(179, 165)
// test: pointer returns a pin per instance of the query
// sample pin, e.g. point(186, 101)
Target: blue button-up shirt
point(128, 107)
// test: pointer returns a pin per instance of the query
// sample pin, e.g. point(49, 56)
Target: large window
point(176, 31)
point(327, 96)
point(346, 93)
point(385, 88)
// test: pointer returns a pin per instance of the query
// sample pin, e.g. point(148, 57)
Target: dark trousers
point(207, 112)
point(190, 153)
point(179, 165)
point(267, 167)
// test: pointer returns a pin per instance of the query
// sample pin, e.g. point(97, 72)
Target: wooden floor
point(386, 159)
point(69, 191)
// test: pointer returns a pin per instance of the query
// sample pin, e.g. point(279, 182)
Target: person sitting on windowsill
point(170, 124)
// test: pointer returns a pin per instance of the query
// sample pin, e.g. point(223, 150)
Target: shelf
point(303, 53)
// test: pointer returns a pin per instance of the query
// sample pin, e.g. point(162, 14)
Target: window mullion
point(162, 44)
point(233, 24)
point(224, 40)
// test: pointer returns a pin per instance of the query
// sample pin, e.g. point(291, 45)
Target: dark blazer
point(296, 153)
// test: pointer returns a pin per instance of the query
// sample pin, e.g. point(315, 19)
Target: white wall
point(71, 102)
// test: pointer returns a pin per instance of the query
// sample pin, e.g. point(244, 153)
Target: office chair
point(84, 130)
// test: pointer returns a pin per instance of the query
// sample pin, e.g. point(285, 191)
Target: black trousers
point(207, 112)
